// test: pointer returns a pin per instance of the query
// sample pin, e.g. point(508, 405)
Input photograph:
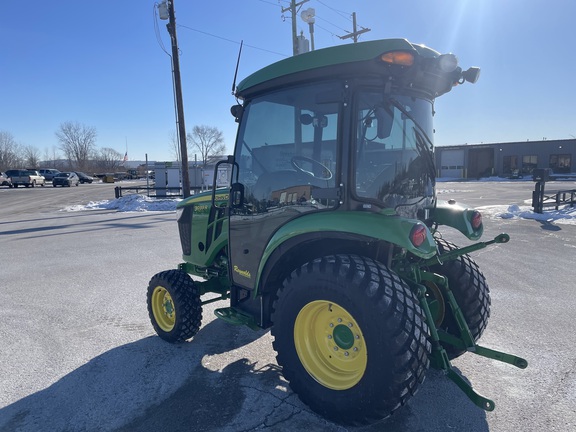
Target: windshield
point(394, 155)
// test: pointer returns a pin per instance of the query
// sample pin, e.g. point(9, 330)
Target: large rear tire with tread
point(174, 305)
point(351, 338)
point(471, 291)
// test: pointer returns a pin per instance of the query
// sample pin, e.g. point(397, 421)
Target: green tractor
point(329, 232)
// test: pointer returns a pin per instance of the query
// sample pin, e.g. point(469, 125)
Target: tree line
point(77, 150)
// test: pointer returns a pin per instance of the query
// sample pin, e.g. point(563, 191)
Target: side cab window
point(287, 148)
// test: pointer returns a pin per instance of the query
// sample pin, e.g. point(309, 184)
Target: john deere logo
point(243, 273)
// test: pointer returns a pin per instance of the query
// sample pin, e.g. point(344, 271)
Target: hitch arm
point(519, 362)
point(511, 359)
point(478, 400)
point(452, 255)
point(441, 361)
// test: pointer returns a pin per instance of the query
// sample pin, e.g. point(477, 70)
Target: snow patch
point(129, 203)
point(564, 215)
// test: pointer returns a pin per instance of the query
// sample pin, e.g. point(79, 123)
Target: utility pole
point(293, 10)
point(355, 32)
point(171, 26)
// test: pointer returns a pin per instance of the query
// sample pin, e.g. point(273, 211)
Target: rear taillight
point(476, 220)
point(418, 234)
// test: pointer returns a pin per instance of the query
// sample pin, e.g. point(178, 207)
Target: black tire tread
point(186, 297)
point(402, 329)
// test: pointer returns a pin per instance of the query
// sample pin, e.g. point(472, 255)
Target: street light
point(308, 17)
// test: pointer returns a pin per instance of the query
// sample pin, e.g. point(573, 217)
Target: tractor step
point(236, 317)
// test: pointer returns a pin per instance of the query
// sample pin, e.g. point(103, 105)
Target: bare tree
point(175, 146)
point(31, 157)
point(9, 152)
point(208, 141)
point(52, 158)
point(108, 160)
point(78, 142)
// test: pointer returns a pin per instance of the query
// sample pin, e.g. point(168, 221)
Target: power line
point(270, 3)
point(350, 17)
point(231, 41)
point(339, 12)
point(331, 23)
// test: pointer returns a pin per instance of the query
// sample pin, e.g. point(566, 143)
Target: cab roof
point(327, 57)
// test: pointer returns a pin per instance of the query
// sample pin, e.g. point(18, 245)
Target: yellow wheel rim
point(330, 345)
point(163, 308)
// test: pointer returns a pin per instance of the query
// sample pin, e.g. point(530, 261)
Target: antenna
point(236, 71)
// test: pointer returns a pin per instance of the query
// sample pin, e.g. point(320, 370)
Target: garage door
point(451, 163)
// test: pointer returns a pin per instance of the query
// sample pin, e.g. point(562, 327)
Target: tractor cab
point(344, 129)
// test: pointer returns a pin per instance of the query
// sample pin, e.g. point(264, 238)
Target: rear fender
point(392, 229)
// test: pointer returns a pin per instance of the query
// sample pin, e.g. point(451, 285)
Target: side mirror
point(237, 111)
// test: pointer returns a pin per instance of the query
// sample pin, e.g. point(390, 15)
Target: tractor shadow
point(216, 382)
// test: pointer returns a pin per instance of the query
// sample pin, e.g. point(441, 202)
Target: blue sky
point(100, 63)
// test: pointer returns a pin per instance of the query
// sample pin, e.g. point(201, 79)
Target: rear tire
point(471, 291)
point(351, 338)
point(174, 305)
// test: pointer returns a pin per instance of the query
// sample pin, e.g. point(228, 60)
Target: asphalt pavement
point(78, 352)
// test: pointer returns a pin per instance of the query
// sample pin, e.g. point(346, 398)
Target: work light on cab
point(401, 58)
point(447, 63)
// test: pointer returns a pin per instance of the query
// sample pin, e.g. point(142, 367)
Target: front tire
point(174, 305)
point(351, 338)
point(472, 294)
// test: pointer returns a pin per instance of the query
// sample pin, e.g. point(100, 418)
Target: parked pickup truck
point(26, 177)
point(5, 180)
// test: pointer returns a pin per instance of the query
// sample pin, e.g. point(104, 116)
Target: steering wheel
point(326, 173)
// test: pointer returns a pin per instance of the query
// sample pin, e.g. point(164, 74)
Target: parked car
point(66, 179)
point(5, 180)
point(48, 173)
point(26, 177)
point(84, 178)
